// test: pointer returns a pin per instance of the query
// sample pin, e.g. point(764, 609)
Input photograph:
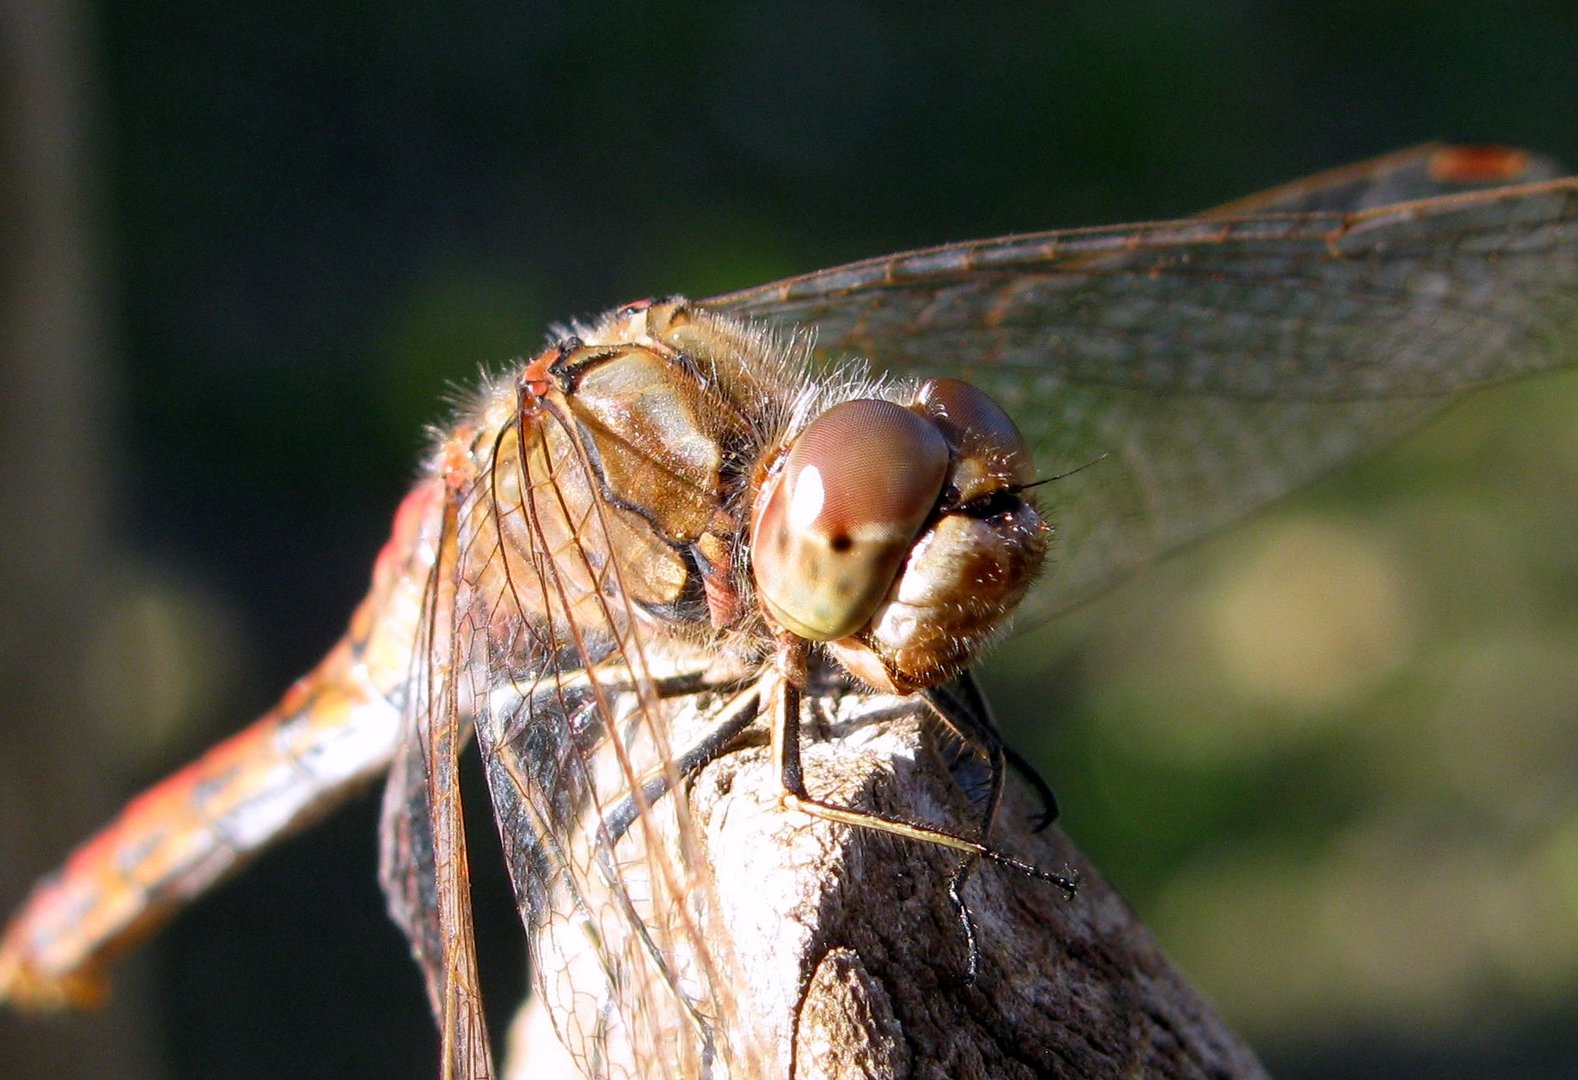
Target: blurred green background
point(1329, 756)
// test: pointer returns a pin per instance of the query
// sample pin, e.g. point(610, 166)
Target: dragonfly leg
point(1028, 773)
point(737, 715)
point(973, 721)
point(974, 726)
point(785, 730)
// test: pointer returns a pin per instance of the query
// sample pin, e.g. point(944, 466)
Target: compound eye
point(835, 523)
point(978, 427)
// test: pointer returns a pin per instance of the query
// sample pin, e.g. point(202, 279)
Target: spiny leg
point(973, 725)
point(784, 728)
point(737, 714)
point(785, 731)
point(977, 714)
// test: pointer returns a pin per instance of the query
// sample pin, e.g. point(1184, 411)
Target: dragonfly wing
point(423, 864)
point(406, 867)
point(1201, 368)
point(1419, 172)
point(565, 682)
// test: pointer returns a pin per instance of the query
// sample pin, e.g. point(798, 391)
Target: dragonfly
point(690, 521)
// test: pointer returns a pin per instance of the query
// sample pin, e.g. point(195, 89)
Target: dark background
point(286, 233)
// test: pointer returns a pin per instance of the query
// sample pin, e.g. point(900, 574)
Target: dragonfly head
point(901, 534)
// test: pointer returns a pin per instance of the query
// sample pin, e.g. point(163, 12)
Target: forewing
point(1197, 369)
point(423, 843)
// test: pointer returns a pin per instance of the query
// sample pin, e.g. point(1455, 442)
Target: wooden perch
point(852, 959)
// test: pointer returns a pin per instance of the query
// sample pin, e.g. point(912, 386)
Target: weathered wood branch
point(852, 958)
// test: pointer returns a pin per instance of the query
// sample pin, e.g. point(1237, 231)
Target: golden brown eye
point(835, 522)
point(978, 428)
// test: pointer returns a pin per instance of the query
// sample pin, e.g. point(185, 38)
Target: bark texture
point(852, 960)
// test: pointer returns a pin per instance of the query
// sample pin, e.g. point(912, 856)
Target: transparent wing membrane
point(1201, 368)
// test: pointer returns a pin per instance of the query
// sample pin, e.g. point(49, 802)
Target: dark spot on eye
point(840, 542)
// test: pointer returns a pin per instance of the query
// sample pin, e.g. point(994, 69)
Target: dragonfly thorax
point(888, 521)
